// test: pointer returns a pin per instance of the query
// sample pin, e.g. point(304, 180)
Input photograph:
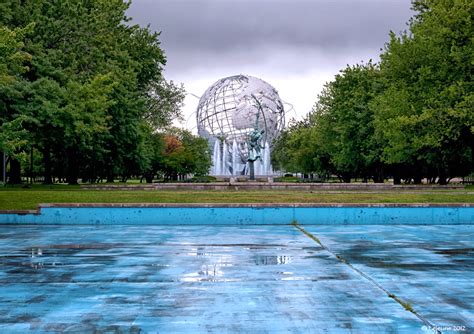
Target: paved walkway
point(256, 279)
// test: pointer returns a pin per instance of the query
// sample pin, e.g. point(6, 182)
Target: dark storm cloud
point(297, 45)
point(222, 26)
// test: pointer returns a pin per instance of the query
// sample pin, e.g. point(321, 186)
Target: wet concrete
point(429, 267)
point(215, 279)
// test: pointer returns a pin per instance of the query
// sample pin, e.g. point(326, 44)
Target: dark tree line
point(82, 93)
point(409, 117)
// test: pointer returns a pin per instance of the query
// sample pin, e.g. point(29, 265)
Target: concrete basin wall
point(242, 214)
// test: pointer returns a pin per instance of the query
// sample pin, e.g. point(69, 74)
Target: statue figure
point(254, 146)
point(255, 139)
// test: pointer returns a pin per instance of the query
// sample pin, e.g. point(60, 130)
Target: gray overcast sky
point(294, 45)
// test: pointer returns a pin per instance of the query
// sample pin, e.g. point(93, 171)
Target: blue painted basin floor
point(252, 279)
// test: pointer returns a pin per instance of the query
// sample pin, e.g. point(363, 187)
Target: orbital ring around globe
point(227, 114)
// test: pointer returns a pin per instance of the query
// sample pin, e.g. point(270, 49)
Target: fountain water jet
point(225, 165)
point(226, 160)
point(267, 167)
point(216, 158)
point(235, 152)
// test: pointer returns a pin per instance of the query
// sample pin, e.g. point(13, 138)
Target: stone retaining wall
point(269, 186)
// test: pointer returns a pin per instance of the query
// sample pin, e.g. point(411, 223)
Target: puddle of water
point(456, 251)
point(263, 260)
point(373, 320)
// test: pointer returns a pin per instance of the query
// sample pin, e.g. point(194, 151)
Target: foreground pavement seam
point(405, 305)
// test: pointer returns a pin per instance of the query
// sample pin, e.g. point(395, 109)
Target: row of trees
point(411, 116)
point(82, 95)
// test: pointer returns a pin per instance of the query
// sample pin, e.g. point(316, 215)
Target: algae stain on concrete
point(406, 305)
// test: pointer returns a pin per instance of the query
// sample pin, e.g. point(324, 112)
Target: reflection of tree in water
point(272, 260)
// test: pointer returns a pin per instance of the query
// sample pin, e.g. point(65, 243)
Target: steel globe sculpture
point(229, 111)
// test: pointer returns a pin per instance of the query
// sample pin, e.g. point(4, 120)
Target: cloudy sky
point(294, 45)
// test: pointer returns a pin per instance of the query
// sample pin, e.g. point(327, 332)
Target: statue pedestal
point(251, 171)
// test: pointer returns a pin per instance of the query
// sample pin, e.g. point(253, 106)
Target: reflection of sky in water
point(215, 262)
point(272, 259)
point(39, 261)
point(209, 271)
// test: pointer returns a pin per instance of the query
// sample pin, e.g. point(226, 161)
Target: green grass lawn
point(17, 198)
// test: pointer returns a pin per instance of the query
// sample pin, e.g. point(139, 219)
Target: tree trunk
point(31, 165)
point(15, 171)
point(378, 179)
point(397, 180)
point(110, 174)
point(442, 175)
point(346, 179)
point(72, 167)
point(47, 166)
point(442, 180)
point(2, 164)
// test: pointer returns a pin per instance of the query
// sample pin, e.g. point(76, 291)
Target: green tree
point(197, 156)
point(155, 150)
point(412, 116)
point(295, 149)
point(13, 63)
point(184, 154)
point(164, 101)
point(94, 88)
point(426, 113)
point(280, 152)
point(338, 136)
point(343, 117)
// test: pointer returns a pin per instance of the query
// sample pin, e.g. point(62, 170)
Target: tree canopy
point(411, 116)
point(81, 87)
point(13, 59)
